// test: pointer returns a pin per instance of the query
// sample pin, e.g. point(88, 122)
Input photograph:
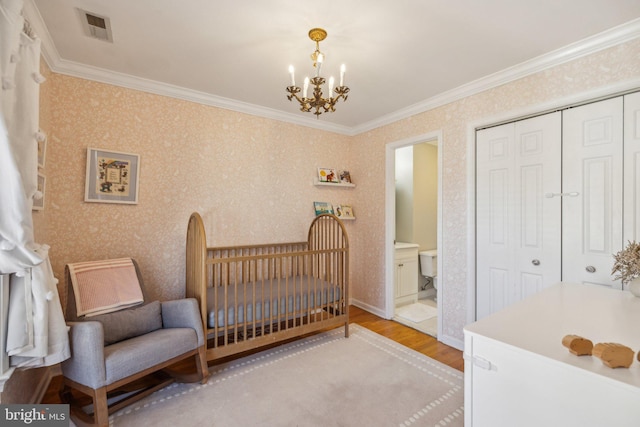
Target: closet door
point(592, 184)
point(495, 246)
point(631, 226)
point(517, 227)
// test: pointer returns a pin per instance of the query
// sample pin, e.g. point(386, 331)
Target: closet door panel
point(631, 227)
point(592, 175)
point(539, 166)
point(495, 245)
point(518, 228)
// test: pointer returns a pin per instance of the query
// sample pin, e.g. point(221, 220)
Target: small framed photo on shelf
point(38, 198)
point(112, 177)
point(344, 212)
point(323, 208)
point(345, 177)
point(328, 175)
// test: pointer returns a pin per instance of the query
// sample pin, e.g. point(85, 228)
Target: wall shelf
point(332, 184)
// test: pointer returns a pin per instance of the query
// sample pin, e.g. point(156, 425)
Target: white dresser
point(518, 373)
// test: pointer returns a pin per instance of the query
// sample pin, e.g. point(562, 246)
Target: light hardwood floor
point(404, 335)
point(408, 337)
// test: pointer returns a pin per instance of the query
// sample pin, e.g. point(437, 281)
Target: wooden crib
point(254, 295)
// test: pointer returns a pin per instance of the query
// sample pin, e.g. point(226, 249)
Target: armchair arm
point(86, 364)
point(183, 313)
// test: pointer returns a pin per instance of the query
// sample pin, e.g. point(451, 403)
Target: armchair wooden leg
point(100, 408)
point(201, 364)
point(100, 417)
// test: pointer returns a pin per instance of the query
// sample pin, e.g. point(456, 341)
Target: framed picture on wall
point(38, 199)
point(112, 177)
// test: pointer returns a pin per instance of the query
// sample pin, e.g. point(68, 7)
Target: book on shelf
point(328, 175)
point(323, 208)
point(345, 177)
point(344, 211)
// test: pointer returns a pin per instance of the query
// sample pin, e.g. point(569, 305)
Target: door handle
point(590, 269)
point(552, 195)
point(535, 262)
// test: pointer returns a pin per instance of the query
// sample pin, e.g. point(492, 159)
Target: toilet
point(429, 265)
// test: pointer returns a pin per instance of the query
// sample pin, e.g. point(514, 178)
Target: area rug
point(416, 312)
point(322, 380)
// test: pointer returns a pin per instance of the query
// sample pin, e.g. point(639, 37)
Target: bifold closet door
point(517, 227)
point(592, 184)
point(631, 225)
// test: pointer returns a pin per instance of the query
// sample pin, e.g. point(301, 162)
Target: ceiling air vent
point(96, 26)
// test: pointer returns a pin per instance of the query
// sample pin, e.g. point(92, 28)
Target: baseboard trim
point(451, 342)
point(371, 309)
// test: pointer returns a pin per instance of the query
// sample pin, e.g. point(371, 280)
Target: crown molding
point(74, 69)
point(604, 40)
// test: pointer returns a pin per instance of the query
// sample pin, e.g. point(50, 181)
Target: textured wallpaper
point(252, 178)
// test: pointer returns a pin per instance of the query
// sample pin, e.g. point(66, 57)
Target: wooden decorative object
point(578, 345)
point(614, 355)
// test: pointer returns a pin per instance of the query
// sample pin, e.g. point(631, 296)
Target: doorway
point(431, 139)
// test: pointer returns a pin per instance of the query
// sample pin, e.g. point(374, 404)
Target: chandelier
point(316, 103)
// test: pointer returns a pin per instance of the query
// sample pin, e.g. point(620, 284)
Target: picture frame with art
point(112, 176)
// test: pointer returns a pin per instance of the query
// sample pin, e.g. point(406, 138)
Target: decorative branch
point(627, 263)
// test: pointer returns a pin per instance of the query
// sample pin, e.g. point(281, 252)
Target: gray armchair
point(112, 350)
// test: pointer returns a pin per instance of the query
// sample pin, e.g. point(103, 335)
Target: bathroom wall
point(404, 194)
point(425, 195)
point(417, 195)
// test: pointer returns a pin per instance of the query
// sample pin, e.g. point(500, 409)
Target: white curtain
point(36, 333)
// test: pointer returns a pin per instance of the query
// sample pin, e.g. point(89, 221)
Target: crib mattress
point(281, 300)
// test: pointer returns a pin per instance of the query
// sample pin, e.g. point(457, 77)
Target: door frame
point(390, 221)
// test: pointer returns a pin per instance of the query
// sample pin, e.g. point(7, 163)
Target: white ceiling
point(402, 56)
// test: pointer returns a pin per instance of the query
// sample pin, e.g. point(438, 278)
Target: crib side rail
point(240, 257)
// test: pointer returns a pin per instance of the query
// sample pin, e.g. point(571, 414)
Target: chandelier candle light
point(317, 102)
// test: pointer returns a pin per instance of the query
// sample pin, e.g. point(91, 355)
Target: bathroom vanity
point(406, 273)
point(518, 373)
